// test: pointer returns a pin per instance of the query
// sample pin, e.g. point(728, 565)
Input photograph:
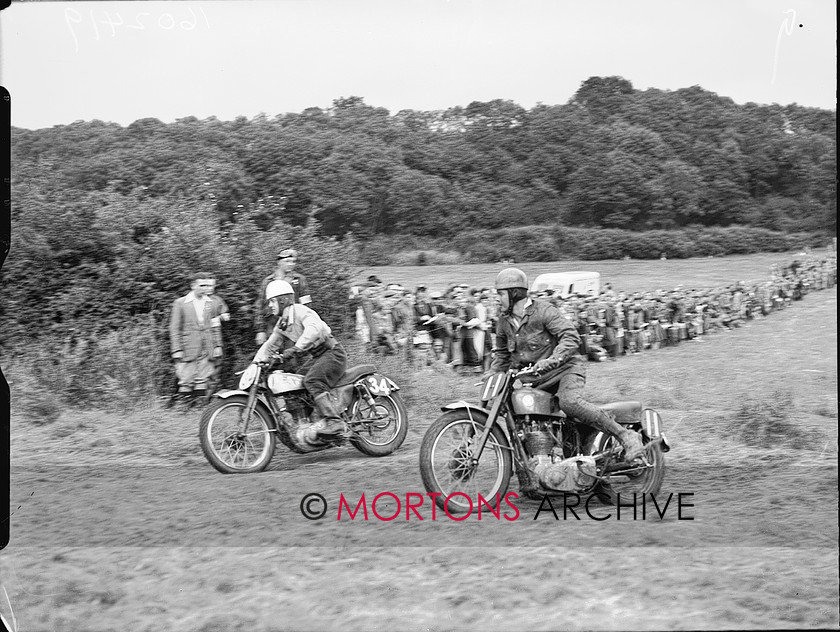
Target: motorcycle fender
point(379, 384)
point(478, 410)
point(261, 403)
point(229, 392)
point(479, 414)
point(652, 427)
point(597, 442)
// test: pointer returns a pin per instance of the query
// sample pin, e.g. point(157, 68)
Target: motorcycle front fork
point(249, 407)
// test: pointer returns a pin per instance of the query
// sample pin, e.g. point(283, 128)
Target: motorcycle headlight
point(248, 377)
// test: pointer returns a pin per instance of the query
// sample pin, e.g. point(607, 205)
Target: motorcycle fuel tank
point(280, 382)
point(531, 401)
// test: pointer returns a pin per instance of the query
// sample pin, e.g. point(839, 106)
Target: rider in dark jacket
point(535, 332)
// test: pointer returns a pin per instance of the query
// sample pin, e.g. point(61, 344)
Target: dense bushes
point(86, 311)
point(555, 242)
point(549, 243)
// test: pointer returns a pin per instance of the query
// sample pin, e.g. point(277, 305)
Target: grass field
point(629, 275)
point(119, 524)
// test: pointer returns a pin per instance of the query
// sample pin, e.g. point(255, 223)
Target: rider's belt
point(325, 346)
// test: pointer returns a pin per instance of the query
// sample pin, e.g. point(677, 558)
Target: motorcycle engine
point(544, 443)
point(298, 408)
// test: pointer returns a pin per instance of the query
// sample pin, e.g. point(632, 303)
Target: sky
point(123, 61)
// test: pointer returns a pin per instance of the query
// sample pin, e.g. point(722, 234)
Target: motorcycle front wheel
point(384, 425)
point(446, 467)
point(227, 445)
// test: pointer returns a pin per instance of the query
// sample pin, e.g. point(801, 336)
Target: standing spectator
point(483, 344)
point(371, 297)
point(453, 327)
point(635, 319)
point(284, 271)
point(441, 342)
point(219, 313)
point(470, 353)
point(424, 310)
point(612, 323)
point(402, 313)
point(383, 319)
point(355, 301)
point(425, 319)
point(736, 306)
point(658, 323)
point(191, 336)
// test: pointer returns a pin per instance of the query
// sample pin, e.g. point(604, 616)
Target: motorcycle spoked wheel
point(384, 427)
point(226, 447)
point(445, 466)
point(644, 480)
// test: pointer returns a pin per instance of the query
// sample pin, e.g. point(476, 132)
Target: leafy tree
point(603, 97)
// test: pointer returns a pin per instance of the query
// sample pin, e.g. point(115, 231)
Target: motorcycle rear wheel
point(385, 427)
point(226, 447)
point(645, 481)
point(445, 466)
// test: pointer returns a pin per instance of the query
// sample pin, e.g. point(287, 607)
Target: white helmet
point(277, 288)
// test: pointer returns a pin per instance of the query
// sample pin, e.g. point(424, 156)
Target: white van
point(569, 283)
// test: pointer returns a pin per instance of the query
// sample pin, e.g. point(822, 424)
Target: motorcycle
point(473, 449)
point(239, 429)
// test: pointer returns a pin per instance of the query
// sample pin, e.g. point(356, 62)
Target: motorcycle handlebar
point(528, 370)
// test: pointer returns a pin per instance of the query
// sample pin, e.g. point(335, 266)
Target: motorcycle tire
point(445, 470)
point(622, 488)
point(227, 449)
point(385, 435)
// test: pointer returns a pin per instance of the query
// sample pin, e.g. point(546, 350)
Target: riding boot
point(330, 424)
point(632, 444)
point(600, 420)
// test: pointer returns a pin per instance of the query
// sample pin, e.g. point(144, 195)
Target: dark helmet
point(510, 278)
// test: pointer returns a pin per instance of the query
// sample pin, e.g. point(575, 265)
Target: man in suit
point(194, 341)
point(219, 313)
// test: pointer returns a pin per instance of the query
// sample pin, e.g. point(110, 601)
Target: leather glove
point(488, 374)
point(260, 357)
point(290, 353)
point(546, 364)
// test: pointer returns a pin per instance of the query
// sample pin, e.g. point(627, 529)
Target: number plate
point(378, 385)
point(491, 387)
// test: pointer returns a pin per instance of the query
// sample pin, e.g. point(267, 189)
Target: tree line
point(108, 220)
point(613, 157)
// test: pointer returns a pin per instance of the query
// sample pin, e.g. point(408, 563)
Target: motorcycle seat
point(355, 372)
point(628, 412)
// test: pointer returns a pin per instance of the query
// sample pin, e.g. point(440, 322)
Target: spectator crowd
point(456, 326)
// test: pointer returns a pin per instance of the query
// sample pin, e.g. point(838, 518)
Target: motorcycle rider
point(284, 271)
point(301, 326)
point(535, 332)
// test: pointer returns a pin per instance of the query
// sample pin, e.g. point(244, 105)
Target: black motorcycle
point(473, 450)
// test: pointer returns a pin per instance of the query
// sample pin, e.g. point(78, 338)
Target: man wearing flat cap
point(284, 271)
